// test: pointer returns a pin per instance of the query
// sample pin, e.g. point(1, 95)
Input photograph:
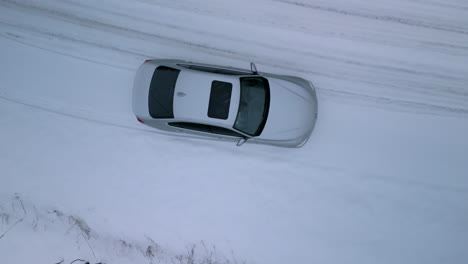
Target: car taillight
point(139, 120)
point(147, 61)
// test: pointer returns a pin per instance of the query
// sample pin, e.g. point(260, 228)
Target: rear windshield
point(220, 100)
point(161, 93)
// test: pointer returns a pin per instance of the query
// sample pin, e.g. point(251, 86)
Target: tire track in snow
point(393, 19)
point(397, 104)
point(111, 28)
point(441, 4)
point(76, 114)
point(19, 39)
point(388, 39)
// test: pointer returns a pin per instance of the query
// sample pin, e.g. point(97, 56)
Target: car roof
point(192, 97)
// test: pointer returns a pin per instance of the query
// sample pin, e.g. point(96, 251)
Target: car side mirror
point(241, 141)
point(253, 68)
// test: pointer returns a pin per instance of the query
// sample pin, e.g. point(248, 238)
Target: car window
point(220, 100)
point(214, 69)
point(161, 92)
point(205, 128)
point(254, 104)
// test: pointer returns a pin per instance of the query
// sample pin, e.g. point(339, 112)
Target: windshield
point(253, 105)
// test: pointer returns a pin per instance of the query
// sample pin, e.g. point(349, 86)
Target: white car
point(208, 101)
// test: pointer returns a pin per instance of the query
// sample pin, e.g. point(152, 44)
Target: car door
point(214, 69)
point(206, 131)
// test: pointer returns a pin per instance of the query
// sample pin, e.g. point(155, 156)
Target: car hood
point(292, 112)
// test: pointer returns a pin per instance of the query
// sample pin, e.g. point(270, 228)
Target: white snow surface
point(383, 179)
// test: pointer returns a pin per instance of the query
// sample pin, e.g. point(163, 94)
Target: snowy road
point(383, 178)
point(375, 55)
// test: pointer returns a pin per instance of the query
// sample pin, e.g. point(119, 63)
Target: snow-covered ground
point(383, 179)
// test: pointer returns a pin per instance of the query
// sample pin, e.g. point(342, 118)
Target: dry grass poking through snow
point(87, 245)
